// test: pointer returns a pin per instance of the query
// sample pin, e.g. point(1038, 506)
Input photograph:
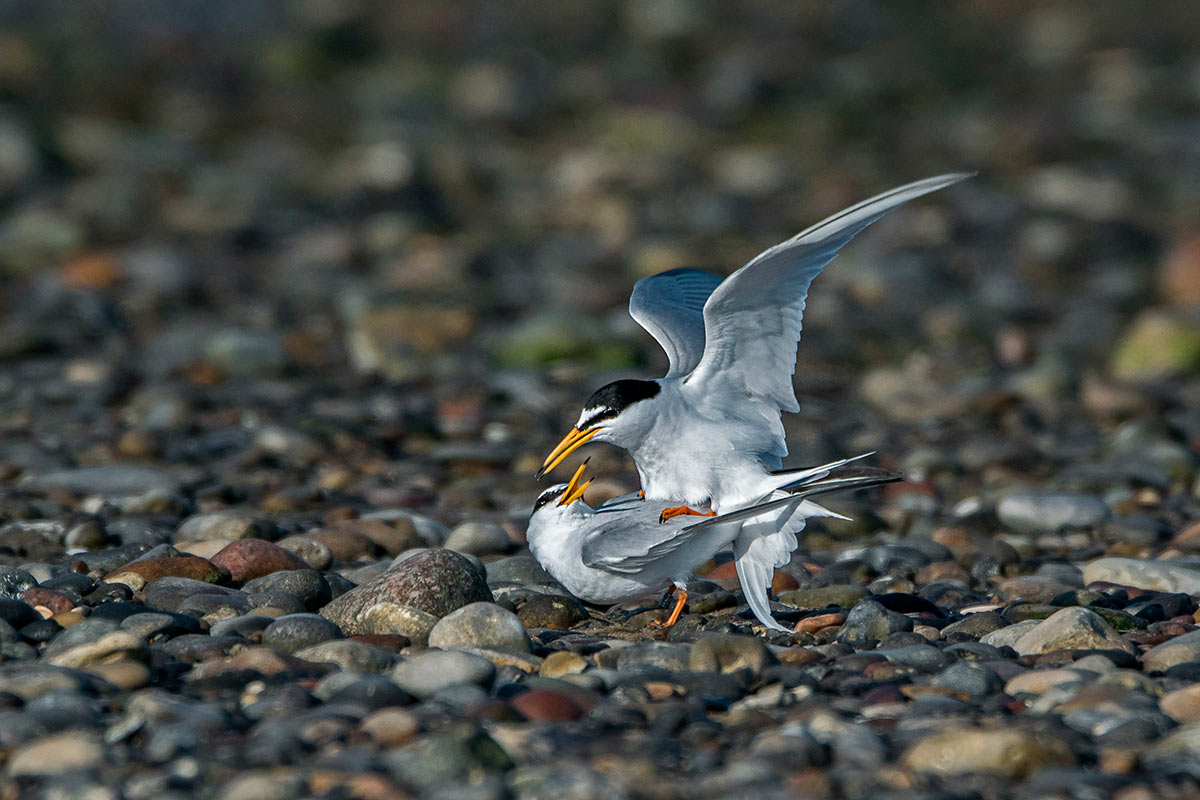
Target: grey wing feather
point(752, 321)
point(670, 306)
point(628, 544)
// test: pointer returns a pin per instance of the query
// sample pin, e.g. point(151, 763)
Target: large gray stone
point(434, 581)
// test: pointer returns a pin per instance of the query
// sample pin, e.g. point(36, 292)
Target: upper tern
point(620, 549)
point(710, 432)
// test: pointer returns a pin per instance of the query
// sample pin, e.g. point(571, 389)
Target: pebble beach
point(294, 300)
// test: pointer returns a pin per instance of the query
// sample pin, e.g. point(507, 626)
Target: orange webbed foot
point(679, 511)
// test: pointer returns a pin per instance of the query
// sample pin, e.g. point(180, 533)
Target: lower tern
point(710, 433)
point(620, 549)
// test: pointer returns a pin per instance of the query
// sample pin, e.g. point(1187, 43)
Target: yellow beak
point(570, 443)
point(574, 490)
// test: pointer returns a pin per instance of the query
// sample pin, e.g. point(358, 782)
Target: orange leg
point(679, 511)
point(675, 612)
point(642, 494)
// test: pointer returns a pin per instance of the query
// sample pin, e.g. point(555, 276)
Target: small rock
point(137, 574)
point(1011, 753)
point(557, 612)
point(391, 618)
point(115, 646)
point(729, 653)
point(1179, 650)
point(434, 581)
point(542, 705)
point(247, 559)
point(1161, 576)
point(562, 662)
point(841, 596)
point(478, 538)
point(55, 755)
point(349, 655)
point(1182, 705)
point(111, 480)
point(425, 673)
point(220, 525)
point(869, 622)
point(1156, 345)
point(391, 727)
point(480, 625)
point(313, 553)
point(1033, 512)
point(298, 631)
point(1072, 629)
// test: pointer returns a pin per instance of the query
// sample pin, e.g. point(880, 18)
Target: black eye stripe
point(548, 495)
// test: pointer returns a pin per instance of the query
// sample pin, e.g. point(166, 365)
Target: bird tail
point(766, 541)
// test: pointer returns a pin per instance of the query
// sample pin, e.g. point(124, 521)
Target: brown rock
point(247, 559)
point(1179, 275)
point(346, 541)
point(1182, 705)
point(194, 567)
point(57, 602)
point(391, 727)
point(543, 705)
point(263, 660)
point(818, 622)
point(1031, 588)
point(798, 656)
point(124, 674)
point(562, 662)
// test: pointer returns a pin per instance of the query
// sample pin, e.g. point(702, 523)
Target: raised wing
point(670, 306)
point(752, 321)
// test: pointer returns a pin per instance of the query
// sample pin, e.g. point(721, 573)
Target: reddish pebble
point(889, 693)
point(542, 705)
point(819, 622)
point(783, 582)
point(247, 559)
point(57, 602)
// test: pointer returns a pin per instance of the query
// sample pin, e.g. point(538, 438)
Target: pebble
point(424, 674)
point(1014, 754)
point(868, 623)
point(56, 755)
point(1031, 512)
point(480, 625)
point(1154, 575)
point(247, 559)
point(1072, 629)
point(478, 539)
point(434, 581)
point(297, 631)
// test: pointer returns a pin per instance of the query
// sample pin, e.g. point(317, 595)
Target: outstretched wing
point(670, 306)
point(752, 321)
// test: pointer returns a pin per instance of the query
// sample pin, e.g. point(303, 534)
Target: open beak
point(574, 489)
point(570, 443)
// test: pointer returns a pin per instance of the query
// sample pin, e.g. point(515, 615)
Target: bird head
point(562, 497)
point(617, 413)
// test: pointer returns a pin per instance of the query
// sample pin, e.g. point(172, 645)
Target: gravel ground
point(294, 303)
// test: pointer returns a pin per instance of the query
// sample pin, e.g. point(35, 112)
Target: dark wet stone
point(168, 594)
point(41, 631)
point(297, 631)
point(65, 709)
point(973, 681)
point(17, 613)
point(975, 625)
point(870, 622)
point(14, 581)
point(307, 584)
point(520, 569)
point(287, 603)
point(372, 692)
point(118, 610)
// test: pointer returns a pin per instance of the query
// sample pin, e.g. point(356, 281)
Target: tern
point(710, 433)
point(621, 550)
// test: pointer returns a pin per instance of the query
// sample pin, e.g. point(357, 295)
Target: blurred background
point(331, 255)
